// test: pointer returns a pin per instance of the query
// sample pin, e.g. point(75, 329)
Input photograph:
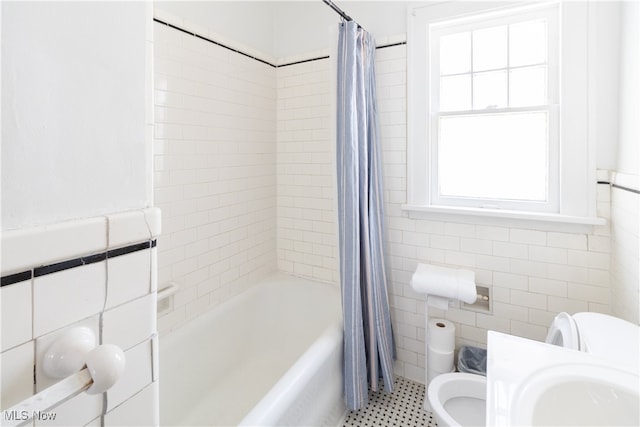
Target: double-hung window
point(485, 110)
point(493, 112)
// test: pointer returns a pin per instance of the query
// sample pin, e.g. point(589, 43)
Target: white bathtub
point(270, 356)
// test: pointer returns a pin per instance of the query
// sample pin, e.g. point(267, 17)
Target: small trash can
point(472, 360)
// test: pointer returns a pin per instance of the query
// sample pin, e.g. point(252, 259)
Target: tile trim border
point(10, 279)
point(22, 276)
point(273, 64)
point(43, 245)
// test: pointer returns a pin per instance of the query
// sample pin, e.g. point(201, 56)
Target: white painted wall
point(73, 110)
point(604, 61)
point(629, 126)
point(247, 22)
point(304, 26)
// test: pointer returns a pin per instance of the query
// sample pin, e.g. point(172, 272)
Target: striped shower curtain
point(369, 349)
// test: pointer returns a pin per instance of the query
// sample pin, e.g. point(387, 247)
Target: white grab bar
point(47, 398)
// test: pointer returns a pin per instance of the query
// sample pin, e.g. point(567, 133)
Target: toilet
point(458, 399)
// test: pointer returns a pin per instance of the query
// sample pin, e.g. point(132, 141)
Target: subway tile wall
point(306, 169)
point(111, 291)
point(215, 171)
point(625, 246)
point(533, 274)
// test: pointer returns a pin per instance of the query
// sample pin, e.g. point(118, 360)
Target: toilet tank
point(610, 338)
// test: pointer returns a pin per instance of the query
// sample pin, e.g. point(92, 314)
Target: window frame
point(440, 29)
point(576, 198)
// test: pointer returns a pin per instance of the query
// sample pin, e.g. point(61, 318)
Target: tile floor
point(403, 407)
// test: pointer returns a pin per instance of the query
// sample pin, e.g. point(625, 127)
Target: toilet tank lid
point(610, 338)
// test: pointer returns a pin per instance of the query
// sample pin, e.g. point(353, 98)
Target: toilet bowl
point(458, 399)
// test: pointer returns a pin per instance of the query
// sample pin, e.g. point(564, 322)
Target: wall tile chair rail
point(75, 262)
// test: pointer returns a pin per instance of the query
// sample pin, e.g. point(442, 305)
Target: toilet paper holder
point(483, 303)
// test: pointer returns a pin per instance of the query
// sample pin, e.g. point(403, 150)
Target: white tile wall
point(52, 306)
point(129, 413)
point(625, 243)
point(200, 182)
point(306, 169)
point(129, 277)
point(16, 305)
point(130, 324)
point(77, 411)
point(114, 297)
point(215, 171)
point(533, 274)
point(16, 374)
point(136, 377)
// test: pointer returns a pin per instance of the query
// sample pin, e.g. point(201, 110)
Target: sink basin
point(577, 394)
point(530, 383)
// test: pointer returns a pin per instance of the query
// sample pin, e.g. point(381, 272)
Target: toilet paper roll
point(441, 335)
point(445, 282)
point(439, 361)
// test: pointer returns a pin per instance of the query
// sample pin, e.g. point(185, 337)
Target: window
point(493, 111)
point(494, 119)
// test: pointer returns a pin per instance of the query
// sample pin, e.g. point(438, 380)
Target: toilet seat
point(564, 332)
point(458, 399)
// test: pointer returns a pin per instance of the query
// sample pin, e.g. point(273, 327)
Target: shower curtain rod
point(339, 11)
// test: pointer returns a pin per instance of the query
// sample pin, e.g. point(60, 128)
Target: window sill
point(537, 220)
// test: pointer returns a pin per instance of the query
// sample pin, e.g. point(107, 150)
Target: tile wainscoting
point(98, 273)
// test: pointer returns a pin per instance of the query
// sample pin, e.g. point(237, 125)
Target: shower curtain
point(369, 349)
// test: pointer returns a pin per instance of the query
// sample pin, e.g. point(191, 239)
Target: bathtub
point(270, 356)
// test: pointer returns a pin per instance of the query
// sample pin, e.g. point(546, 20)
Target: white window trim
point(577, 172)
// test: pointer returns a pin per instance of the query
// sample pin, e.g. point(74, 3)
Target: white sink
point(577, 394)
point(536, 384)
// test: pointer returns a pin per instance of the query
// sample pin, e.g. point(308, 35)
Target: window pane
point(489, 90)
point(528, 43)
point(528, 86)
point(455, 53)
point(455, 93)
point(490, 48)
point(494, 156)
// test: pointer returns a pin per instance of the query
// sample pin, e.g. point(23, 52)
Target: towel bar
point(47, 398)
